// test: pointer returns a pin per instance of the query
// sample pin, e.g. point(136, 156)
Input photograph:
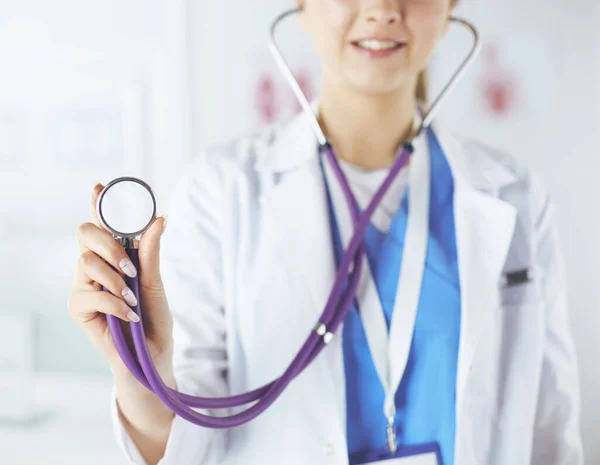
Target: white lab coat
point(248, 264)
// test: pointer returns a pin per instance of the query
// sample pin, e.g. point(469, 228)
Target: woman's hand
point(104, 262)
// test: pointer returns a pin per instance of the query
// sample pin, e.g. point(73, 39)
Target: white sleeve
point(557, 438)
point(192, 274)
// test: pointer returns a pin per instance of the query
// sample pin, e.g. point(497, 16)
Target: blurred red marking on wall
point(498, 85)
point(267, 101)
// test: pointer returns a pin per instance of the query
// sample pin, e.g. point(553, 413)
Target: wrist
point(126, 380)
point(140, 407)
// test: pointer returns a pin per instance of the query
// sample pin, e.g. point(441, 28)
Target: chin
point(379, 81)
point(377, 86)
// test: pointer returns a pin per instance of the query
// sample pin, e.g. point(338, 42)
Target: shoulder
point(276, 148)
point(211, 170)
point(240, 154)
point(483, 156)
point(502, 173)
point(528, 182)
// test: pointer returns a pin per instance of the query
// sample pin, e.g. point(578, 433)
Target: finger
point(93, 213)
point(149, 250)
point(82, 282)
point(91, 268)
point(103, 244)
point(85, 306)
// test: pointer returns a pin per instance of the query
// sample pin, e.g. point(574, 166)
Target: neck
point(366, 130)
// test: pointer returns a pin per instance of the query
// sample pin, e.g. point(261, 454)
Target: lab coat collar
point(294, 144)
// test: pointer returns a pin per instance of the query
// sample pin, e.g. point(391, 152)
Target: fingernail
point(132, 316)
point(165, 221)
point(128, 268)
point(129, 297)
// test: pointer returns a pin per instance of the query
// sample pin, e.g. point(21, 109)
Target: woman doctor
point(488, 369)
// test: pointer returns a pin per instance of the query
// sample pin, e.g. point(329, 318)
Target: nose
point(383, 12)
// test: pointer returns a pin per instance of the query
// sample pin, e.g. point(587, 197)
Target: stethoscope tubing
point(333, 315)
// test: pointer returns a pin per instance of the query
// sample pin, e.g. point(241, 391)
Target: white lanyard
point(390, 353)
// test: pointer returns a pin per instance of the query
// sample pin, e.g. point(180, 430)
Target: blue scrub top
point(425, 399)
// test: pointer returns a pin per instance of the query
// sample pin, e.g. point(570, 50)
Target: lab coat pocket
point(520, 293)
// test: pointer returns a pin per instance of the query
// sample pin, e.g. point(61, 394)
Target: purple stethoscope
point(142, 199)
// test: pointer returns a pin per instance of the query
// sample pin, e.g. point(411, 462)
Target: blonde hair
point(422, 93)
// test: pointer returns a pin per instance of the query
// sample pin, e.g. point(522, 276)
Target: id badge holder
point(425, 454)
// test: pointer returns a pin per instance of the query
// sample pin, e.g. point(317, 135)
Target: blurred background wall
point(93, 90)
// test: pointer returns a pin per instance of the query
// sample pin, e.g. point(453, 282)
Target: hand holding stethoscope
point(105, 264)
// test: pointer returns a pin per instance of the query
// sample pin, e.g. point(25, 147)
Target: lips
point(378, 47)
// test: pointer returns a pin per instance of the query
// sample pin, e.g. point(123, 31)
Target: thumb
point(149, 254)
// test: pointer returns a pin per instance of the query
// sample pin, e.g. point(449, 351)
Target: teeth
point(377, 44)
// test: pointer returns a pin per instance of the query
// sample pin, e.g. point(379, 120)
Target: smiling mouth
point(374, 45)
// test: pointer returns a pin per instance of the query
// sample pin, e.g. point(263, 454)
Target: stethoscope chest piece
point(126, 208)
